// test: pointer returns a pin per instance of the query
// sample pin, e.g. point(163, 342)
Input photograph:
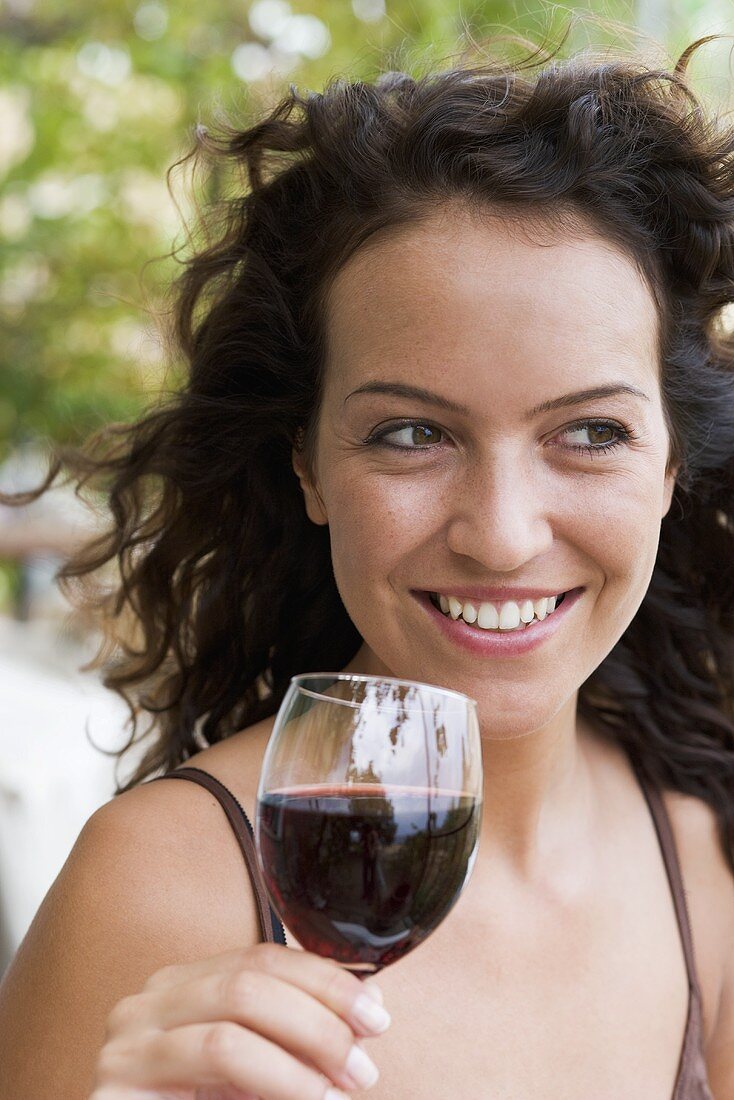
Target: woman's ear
point(315, 507)
point(668, 488)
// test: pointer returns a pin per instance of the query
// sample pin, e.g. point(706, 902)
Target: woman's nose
point(500, 514)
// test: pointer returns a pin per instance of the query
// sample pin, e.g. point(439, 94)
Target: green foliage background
point(100, 97)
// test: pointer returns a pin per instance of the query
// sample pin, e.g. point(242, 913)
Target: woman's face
point(491, 493)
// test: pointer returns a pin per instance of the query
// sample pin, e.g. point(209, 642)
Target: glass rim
point(367, 677)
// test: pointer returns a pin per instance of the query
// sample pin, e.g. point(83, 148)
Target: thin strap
point(692, 1078)
point(672, 866)
point(270, 927)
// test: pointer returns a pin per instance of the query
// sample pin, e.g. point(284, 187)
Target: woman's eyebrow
point(403, 389)
point(595, 392)
point(417, 393)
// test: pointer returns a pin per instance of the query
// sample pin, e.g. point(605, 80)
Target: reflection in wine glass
point(368, 813)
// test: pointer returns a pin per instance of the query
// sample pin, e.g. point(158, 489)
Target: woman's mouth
point(509, 616)
point(498, 630)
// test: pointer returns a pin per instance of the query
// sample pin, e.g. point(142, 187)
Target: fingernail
point(335, 1094)
point(370, 1014)
point(374, 991)
point(361, 1068)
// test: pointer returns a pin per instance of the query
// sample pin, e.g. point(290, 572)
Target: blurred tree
point(98, 99)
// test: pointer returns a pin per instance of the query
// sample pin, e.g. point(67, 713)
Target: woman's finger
point(277, 1010)
point(323, 979)
point(254, 999)
point(210, 1056)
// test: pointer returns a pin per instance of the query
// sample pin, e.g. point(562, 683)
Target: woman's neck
point(538, 795)
point(538, 789)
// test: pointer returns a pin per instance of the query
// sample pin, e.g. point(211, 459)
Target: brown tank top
point(691, 1080)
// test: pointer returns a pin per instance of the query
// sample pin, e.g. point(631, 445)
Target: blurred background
point(97, 99)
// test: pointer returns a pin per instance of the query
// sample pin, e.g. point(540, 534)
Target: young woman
point(460, 409)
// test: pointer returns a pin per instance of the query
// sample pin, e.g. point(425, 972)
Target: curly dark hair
point(215, 556)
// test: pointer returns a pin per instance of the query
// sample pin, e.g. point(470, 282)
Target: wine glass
point(368, 813)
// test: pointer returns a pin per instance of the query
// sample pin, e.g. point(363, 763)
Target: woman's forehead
point(462, 293)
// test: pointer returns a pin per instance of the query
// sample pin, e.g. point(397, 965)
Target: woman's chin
point(500, 722)
point(507, 711)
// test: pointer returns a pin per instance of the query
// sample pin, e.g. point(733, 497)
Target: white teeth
point(488, 618)
point(469, 614)
point(509, 616)
point(527, 611)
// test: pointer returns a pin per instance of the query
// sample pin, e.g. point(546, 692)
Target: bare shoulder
point(709, 885)
point(156, 877)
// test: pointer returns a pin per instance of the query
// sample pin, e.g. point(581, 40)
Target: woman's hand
point(263, 1023)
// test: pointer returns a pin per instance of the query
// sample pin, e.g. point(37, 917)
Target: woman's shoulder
point(168, 839)
point(708, 881)
point(155, 878)
point(708, 877)
point(157, 874)
point(706, 873)
point(164, 856)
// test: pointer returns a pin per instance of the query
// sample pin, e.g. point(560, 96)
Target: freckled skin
point(497, 321)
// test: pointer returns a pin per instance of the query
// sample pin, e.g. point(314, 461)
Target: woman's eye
point(408, 437)
point(601, 436)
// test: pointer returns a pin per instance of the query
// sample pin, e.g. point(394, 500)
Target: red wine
point(364, 873)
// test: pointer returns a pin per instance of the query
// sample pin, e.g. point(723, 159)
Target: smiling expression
point(499, 479)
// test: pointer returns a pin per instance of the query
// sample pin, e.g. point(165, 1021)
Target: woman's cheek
point(625, 549)
point(374, 527)
point(370, 519)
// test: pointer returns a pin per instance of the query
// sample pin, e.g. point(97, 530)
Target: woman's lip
point(509, 643)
